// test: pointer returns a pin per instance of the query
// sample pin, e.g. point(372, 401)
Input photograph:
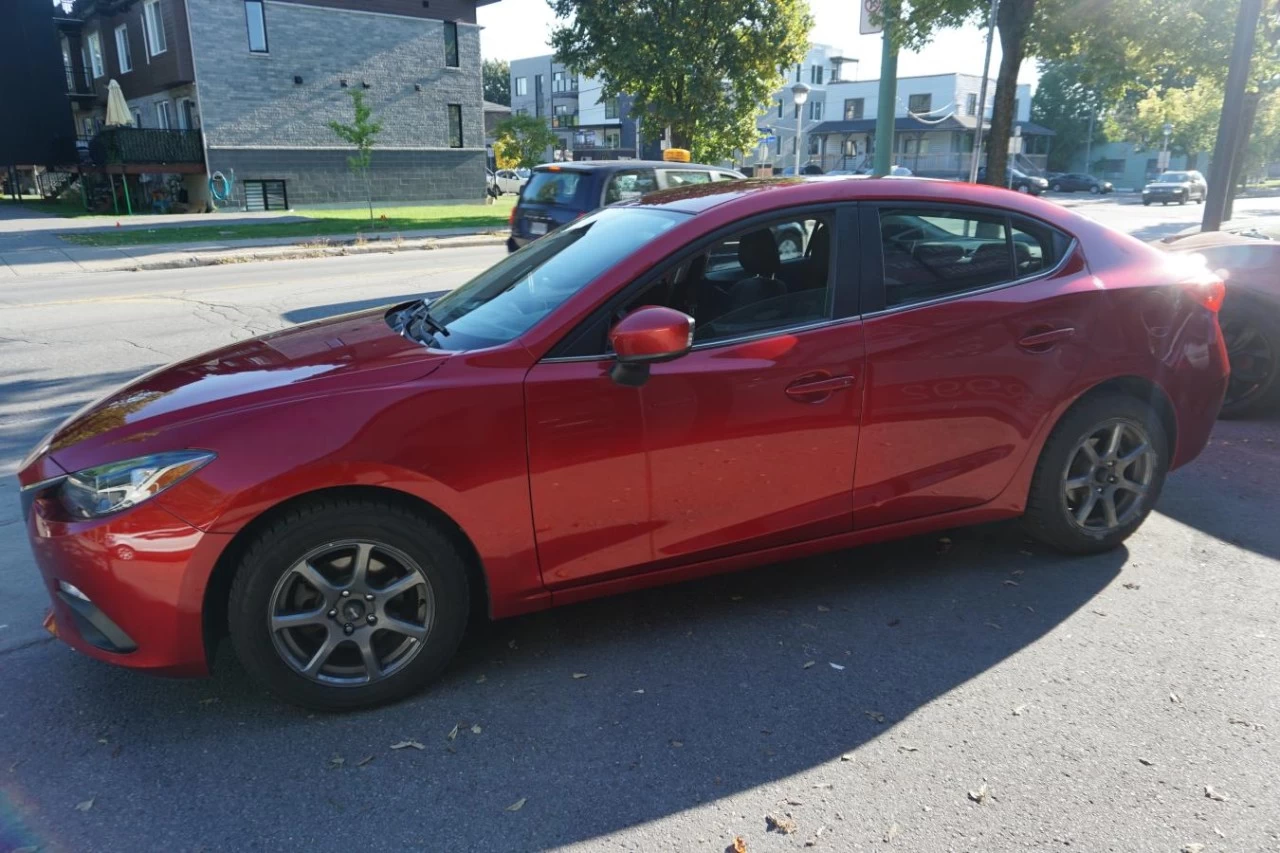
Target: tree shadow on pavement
point(596, 717)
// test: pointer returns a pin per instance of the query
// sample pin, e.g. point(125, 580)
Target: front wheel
point(1184, 198)
point(344, 604)
point(1056, 188)
point(1099, 475)
point(1094, 189)
point(1023, 188)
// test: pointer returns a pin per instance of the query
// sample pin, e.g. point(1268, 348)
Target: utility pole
point(800, 92)
point(888, 96)
point(982, 95)
point(1088, 142)
point(1232, 112)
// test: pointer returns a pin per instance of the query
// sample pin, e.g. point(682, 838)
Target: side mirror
point(648, 335)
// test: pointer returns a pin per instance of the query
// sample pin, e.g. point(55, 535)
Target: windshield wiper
point(420, 315)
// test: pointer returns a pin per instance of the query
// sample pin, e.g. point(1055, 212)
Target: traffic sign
point(870, 8)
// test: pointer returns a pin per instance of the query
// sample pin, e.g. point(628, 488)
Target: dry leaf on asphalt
point(836, 666)
point(1146, 762)
point(1214, 795)
point(336, 762)
point(848, 756)
point(677, 743)
point(1010, 583)
point(905, 748)
point(738, 845)
point(517, 805)
point(641, 690)
point(892, 833)
point(979, 795)
point(453, 733)
point(579, 675)
point(1133, 586)
point(85, 805)
point(1017, 712)
point(1175, 698)
point(784, 825)
point(475, 730)
point(409, 744)
point(362, 762)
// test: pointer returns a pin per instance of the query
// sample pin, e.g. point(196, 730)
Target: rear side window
point(632, 183)
point(930, 254)
point(684, 177)
point(548, 187)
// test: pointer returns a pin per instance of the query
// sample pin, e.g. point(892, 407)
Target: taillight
point(1209, 292)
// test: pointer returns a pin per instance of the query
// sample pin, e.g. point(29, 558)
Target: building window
point(920, 104)
point(853, 109)
point(187, 116)
point(522, 85)
point(815, 110)
point(153, 26)
point(137, 118)
point(521, 111)
point(537, 95)
point(557, 81)
point(612, 139)
point(455, 125)
point(815, 74)
point(95, 55)
point(256, 20)
point(451, 44)
point(265, 195)
point(162, 115)
point(122, 49)
point(779, 107)
point(798, 66)
point(971, 104)
point(611, 108)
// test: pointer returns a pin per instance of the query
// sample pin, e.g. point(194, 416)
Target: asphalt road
point(1092, 700)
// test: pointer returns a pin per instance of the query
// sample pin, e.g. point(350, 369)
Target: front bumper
point(127, 589)
point(1165, 195)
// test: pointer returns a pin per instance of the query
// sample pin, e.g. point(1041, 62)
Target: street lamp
point(801, 94)
point(1167, 130)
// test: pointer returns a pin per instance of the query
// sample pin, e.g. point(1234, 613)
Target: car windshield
point(506, 300)
point(548, 187)
point(1173, 178)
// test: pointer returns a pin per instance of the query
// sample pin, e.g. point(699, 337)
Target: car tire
point(1055, 507)
point(275, 563)
point(1146, 202)
point(1251, 332)
point(1184, 198)
point(1056, 188)
point(1095, 189)
point(1023, 188)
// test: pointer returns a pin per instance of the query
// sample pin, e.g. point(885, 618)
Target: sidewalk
point(30, 248)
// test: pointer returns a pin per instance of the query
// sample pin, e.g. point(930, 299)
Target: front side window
point(451, 44)
point(153, 24)
point(95, 55)
point(455, 125)
point(920, 104)
point(506, 300)
point(123, 59)
point(930, 254)
point(853, 109)
point(256, 20)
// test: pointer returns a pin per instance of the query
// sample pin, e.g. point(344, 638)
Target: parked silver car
point(1181, 187)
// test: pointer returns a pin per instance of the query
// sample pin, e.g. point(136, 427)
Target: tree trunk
point(1013, 20)
point(368, 192)
point(1249, 115)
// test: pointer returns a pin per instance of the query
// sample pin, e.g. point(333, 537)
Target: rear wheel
point(1252, 335)
point(1184, 198)
point(1098, 476)
point(344, 604)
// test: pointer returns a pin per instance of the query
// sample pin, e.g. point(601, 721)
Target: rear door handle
point(815, 389)
point(1044, 339)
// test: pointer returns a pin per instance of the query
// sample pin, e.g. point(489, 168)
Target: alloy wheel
point(350, 613)
point(1107, 476)
point(1253, 361)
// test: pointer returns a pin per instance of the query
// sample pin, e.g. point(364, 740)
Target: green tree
point(496, 74)
point(523, 138)
point(1065, 104)
point(362, 133)
point(704, 68)
point(1192, 112)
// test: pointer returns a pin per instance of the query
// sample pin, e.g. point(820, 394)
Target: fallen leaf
point(1219, 832)
point(336, 762)
point(808, 664)
point(475, 730)
point(1010, 583)
point(738, 845)
point(905, 748)
point(362, 762)
point(453, 732)
point(85, 805)
point(517, 805)
point(979, 795)
point(579, 675)
point(836, 666)
point(874, 715)
point(1132, 585)
point(791, 801)
point(1017, 573)
point(1097, 613)
point(892, 833)
point(822, 608)
point(103, 741)
point(411, 744)
point(784, 825)
point(1146, 762)
point(1214, 795)
point(677, 743)
point(1175, 698)
point(848, 756)
point(641, 690)
point(1017, 712)
point(480, 680)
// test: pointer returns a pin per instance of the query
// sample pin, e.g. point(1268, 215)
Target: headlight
point(95, 492)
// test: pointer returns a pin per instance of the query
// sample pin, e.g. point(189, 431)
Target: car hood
point(324, 357)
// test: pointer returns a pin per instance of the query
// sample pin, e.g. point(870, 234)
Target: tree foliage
point(362, 133)
point(1192, 111)
point(705, 68)
point(496, 74)
point(1064, 103)
point(524, 139)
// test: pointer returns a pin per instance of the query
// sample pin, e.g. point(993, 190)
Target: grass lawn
point(318, 223)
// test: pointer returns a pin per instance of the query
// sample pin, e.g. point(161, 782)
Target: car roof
point(612, 165)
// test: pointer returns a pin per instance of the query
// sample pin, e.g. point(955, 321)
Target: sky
point(514, 29)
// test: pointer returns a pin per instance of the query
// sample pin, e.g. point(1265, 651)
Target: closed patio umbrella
point(117, 108)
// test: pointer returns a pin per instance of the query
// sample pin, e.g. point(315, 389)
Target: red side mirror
point(647, 335)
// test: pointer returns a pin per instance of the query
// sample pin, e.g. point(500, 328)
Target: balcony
point(132, 145)
point(78, 83)
point(564, 120)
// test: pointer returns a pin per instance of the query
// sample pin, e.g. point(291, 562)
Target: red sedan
point(652, 393)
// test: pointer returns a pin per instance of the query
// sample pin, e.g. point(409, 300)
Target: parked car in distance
point(1181, 187)
point(558, 193)
point(1069, 182)
point(1019, 181)
point(1250, 315)
point(509, 181)
point(649, 394)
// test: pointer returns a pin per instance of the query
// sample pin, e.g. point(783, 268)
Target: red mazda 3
point(654, 392)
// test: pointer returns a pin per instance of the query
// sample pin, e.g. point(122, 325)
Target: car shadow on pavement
point(561, 726)
point(320, 312)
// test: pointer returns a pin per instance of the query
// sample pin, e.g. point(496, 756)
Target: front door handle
point(816, 388)
point(1043, 340)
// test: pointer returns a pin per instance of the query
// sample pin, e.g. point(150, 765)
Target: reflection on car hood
point(315, 358)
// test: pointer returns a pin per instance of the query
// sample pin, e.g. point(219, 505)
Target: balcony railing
point(122, 145)
point(78, 82)
point(564, 120)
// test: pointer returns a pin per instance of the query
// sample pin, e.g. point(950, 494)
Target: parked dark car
point(1019, 181)
point(1250, 315)
point(558, 193)
point(1181, 187)
point(1070, 182)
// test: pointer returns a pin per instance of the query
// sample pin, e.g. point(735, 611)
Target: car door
point(746, 442)
point(976, 323)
